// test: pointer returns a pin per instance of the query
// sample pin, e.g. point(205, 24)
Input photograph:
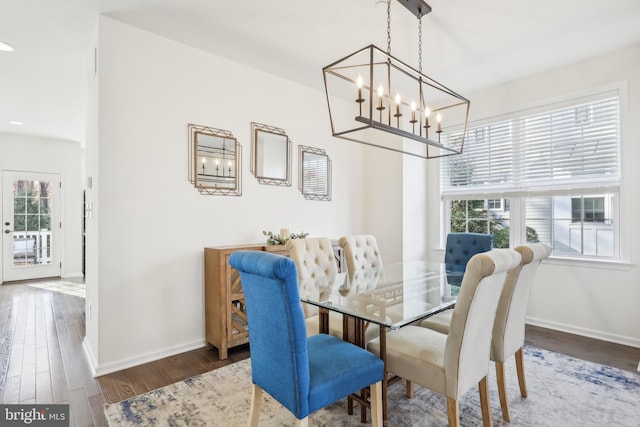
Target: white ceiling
point(467, 44)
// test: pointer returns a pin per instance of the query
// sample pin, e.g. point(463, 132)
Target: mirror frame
point(214, 184)
point(310, 195)
point(256, 154)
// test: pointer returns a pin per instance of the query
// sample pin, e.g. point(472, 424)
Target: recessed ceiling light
point(15, 122)
point(6, 47)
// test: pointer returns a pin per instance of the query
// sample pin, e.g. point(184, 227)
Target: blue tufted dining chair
point(459, 249)
point(302, 373)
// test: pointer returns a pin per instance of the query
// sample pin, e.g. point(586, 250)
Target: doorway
point(31, 226)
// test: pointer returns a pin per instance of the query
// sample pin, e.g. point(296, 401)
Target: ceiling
point(466, 44)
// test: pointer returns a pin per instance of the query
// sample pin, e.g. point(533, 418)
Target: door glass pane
point(32, 243)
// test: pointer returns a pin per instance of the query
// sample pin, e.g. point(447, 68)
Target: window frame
point(516, 203)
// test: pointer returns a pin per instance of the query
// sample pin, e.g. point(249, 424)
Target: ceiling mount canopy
point(417, 7)
point(379, 100)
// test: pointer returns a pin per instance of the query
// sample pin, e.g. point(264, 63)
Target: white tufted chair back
point(360, 252)
point(313, 258)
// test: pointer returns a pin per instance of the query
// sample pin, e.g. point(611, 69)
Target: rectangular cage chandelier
point(379, 100)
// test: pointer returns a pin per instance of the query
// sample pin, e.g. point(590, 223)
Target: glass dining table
point(391, 296)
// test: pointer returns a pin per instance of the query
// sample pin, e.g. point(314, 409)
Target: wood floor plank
point(44, 392)
point(147, 377)
point(109, 389)
point(96, 405)
point(585, 348)
point(58, 375)
point(12, 390)
point(28, 382)
point(79, 408)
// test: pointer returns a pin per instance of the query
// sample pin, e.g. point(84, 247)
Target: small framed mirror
point(270, 155)
point(314, 173)
point(214, 161)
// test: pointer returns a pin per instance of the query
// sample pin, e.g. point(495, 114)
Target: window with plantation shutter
point(559, 163)
point(553, 152)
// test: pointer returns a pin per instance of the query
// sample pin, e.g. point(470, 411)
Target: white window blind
point(550, 151)
point(315, 179)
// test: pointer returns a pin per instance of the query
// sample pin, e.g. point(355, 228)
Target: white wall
point(383, 210)
point(36, 154)
point(593, 299)
point(153, 224)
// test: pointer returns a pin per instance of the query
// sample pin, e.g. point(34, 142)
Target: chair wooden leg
point(483, 385)
point(453, 412)
point(502, 391)
point(409, 389)
point(376, 404)
point(520, 369)
point(303, 422)
point(256, 403)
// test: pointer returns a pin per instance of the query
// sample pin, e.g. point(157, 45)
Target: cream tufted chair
point(360, 252)
point(314, 259)
point(508, 329)
point(363, 259)
point(452, 364)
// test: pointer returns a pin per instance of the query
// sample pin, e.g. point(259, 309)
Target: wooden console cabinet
point(225, 316)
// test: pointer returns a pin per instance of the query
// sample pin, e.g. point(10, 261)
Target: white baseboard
point(71, 275)
point(614, 338)
point(107, 368)
point(90, 356)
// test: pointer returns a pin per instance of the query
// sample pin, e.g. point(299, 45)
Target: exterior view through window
point(549, 174)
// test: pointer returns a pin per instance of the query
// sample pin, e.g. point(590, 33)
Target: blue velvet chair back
point(462, 246)
point(277, 330)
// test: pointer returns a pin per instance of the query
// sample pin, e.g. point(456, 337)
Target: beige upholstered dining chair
point(314, 258)
point(364, 261)
point(451, 364)
point(360, 252)
point(508, 329)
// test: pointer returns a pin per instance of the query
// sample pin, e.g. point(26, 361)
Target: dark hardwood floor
point(42, 358)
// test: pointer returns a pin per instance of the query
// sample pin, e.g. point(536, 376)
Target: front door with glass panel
point(30, 225)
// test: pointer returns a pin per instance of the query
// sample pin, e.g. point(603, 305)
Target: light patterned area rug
point(562, 392)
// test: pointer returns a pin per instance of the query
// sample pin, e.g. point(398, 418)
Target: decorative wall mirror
point(214, 161)
point(270, 155)
point(314, 173)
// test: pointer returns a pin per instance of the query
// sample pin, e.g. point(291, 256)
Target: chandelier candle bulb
point(439, 121)
point(360, 100)
point(380, 106)
point(398, 114)
point(413, 116)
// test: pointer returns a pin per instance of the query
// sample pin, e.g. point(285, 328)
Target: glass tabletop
point(393, 295)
